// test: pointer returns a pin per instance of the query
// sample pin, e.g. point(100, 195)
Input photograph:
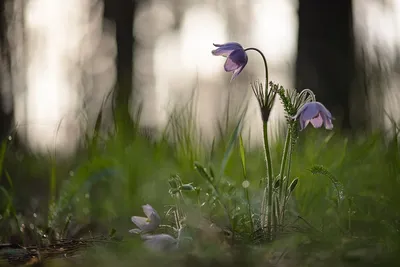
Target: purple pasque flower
point(236, 57)
point(148, 224)
point(160, 242)
point(316, 113)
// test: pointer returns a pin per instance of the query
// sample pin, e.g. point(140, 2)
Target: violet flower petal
point(226, 49)
point(316, 113)
point(236, 62)
point(236, 57)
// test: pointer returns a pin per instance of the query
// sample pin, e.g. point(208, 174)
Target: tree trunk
point(122, 13)
point(6, 118)
point(325, 59)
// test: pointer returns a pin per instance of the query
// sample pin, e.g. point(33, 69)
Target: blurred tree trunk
point(325, 59)
point(122, 13)
point(6, 118)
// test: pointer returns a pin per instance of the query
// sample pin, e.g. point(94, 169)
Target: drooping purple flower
point(236, 57)
point(148, 224)
point(316, 113)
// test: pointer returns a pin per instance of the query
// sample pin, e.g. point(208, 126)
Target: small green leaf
point(292, 185)
point(66, 225)
point(242, 155)
point(202, 171)
point(187, 187)
point(277, 183)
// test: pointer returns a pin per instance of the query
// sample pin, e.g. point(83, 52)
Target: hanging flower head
point(316, 113)
point(236, 57)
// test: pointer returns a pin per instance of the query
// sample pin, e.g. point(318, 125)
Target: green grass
point(346, 200)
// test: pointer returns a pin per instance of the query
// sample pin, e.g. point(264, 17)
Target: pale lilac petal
point(230, 65)
point(237, 72)
point(140, 222)
point(317, 121)
point(316, 113)
point(148, 210)
point(221, 52)
point(155, 221)
point(145, 224)
point(160, 242)
point(327, 122)
point(226, 49)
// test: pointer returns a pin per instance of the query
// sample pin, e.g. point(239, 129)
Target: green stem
point(275, 221)
point(246, 191)
point(287, 180)
point(269, 179)
point(267, 196)
point(283, 164)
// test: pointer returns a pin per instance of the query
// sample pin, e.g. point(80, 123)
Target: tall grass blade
point(246, 190)
point(231, 144)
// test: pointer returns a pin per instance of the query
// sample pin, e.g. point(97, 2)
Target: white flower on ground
point(146, 225)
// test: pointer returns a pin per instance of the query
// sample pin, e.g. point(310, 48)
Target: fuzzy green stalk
point(290, 148)
point(275, 219)
point(267, 196)
point(269, 179)
point(246, 191)
point(283, 163)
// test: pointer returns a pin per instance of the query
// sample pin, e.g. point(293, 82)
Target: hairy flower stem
point(268, 193)
point(285, 197)
point(266, 218)
point(283, 164)
point(265, 66)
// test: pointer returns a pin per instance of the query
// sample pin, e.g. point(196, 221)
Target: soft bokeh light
point(66, 59)
point(377, 29)
point(201, 27)
point(66, 52)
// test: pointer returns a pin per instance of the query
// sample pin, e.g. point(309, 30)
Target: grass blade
point(232, 141)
